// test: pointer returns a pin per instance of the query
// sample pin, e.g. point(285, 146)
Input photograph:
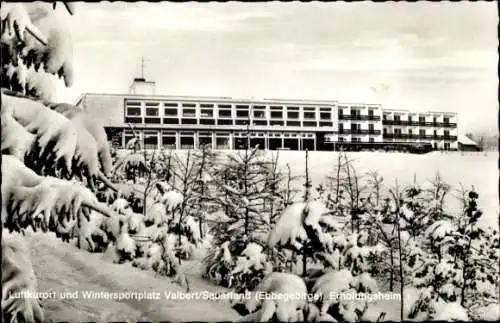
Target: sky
point(418, 56)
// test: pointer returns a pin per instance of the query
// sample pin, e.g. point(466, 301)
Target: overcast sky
point(432, 56)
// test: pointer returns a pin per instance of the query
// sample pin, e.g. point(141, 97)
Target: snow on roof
point(464, 140)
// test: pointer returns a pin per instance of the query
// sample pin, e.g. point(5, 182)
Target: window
point(129, 135)
point(206, 113)
point(133, 111)
point(225, 122)
point(133, 120)
point(225, 113)
point(188, 105)
point(187, 141)
point(447, 146)
point(310, 124)
point(150, 139)
point(434, 119)
point(206, 105)
point(421, 132)
point(169, 104)
point(293, 123)
point(170, 111)
point(372, 139)
point(385, 131)
point(293, 114)
point(242, 107)
point(260, 123)
point(259, 114)
point(241, 122)
point(371, 127)
point(421, 119)
point(224, 106)
point(435, 133)
point(152, 120)
point(242, 113)
point(446, 119)
point(205, 139)
point(410, 132)
point(354, 126)
point(341, 139)
point(133, 103)
point(276, 114)
point(341, 127)
point(397, 118)
point(354, 139)
point(188, 121)
point(409, 119)
point(169, 140)
point(325, 115)
point(370, 112)
point(222, 143)
point(207, 121)
point(189, 113)
point(170, 121)
point(446, 133)
point(152, 112)
point(309, 115)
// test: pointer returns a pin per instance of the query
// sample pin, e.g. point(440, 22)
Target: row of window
point(186, 140)
point(156, 133)
point(225, 113)
point(421, 132)
point(397, 118)
point(356, 112)
point(355, 139)
point(247, 107)
point(226, 122)
point(356, 126)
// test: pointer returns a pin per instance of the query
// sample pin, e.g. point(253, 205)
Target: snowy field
point(62, 268)
point(455, 168)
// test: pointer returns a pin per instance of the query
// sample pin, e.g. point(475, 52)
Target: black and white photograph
point(250, 161)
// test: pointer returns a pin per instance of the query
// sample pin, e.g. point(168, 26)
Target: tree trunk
point(304, 261)
point(391, 278)
point(401, 269)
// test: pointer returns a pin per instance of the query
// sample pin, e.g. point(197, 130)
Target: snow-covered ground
point(478, 169)
point(62, 268)
point(455, 168)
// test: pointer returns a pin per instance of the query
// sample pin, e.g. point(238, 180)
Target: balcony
point(401, 136)
point(395, 122)
point(449, 124)
point(358, 117)
point(450, 138)
point(358, 132)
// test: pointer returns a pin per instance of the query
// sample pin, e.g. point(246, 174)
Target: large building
point(227, 123)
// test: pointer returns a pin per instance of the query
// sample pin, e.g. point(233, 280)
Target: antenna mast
point(142, 66)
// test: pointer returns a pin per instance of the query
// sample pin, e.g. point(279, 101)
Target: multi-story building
point(437, 128)
point(183, 122)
